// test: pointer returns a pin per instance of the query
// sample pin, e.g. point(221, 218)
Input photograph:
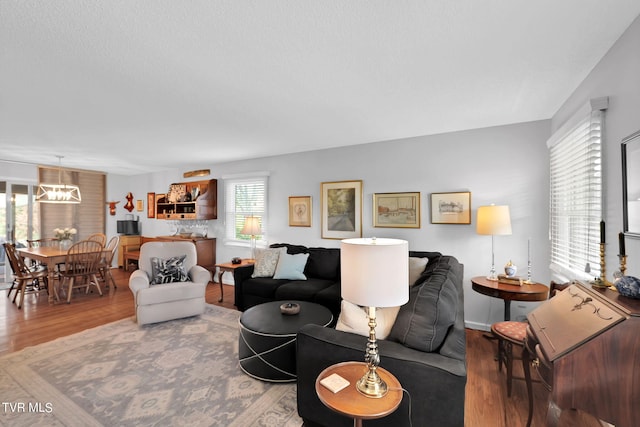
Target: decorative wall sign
point(151, 205)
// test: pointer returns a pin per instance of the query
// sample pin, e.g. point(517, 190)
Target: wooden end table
point(527, 292)
point(230, 267)
point(350, 402)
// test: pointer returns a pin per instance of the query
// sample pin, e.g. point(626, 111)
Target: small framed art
point(451, 208)
point(300, 211)
point(341, 209)
point(139, 205)
point(398, 210)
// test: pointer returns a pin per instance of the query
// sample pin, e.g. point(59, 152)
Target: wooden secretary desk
point(585, 343)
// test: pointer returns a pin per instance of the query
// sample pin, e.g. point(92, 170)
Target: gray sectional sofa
point(426, 351)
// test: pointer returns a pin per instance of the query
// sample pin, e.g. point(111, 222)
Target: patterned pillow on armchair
point(168, 270)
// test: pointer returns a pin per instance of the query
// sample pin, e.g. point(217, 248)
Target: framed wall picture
point(300, 211)
point(341, 209)
point(139, 205)
point(151, 205)
point(451, 208)
point(398, 210)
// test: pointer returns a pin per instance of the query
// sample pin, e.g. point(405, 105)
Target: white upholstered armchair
point(161, 290)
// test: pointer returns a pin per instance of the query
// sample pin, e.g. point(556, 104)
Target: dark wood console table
point(586, 347)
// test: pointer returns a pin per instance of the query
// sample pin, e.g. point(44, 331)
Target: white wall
point(502, 165)
point(616, 76)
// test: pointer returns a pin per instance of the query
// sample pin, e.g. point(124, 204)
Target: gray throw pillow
point(424, 321)
point(168, 270)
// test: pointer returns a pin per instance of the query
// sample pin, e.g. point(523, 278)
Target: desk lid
point(571, 318)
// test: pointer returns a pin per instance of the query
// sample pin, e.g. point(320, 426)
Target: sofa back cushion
point(424, 322)
point(323, 263)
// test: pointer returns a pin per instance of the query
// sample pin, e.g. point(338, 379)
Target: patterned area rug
point(178, 373)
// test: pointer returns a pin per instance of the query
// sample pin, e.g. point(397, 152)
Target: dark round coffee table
point(267, 342)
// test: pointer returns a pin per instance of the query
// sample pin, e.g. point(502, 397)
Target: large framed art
point(341, 209)
point(398, 210)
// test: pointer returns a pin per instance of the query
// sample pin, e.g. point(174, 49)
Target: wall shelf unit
point(189, 200)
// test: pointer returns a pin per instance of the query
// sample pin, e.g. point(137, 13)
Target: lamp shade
point(251, 226)
point(493, 220)
point(375, 272)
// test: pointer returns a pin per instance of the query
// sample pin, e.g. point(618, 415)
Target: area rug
point(177, 373)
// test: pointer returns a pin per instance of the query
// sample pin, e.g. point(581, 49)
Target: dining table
point(49, 256)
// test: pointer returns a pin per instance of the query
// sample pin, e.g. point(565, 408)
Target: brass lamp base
point(371, 385)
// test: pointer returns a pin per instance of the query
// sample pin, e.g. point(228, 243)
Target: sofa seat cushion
point(304, 290)
point(262, 286)
point(170, 292)
point(424, 321)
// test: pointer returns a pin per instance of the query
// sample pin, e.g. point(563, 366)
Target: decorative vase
point(629, 286)
point(510, 270)
point(64, 244)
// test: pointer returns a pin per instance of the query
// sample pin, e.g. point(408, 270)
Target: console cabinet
point(205, 249)
point(189, 200)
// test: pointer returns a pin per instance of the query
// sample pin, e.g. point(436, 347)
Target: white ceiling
point(135, 86)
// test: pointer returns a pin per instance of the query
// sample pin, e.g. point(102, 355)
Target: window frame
point(234, 217)
point(576, 193)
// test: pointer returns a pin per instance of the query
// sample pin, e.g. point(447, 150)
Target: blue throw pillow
point(291, 267)
point(168, 270)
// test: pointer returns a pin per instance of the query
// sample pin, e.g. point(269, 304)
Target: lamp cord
point(405, 391)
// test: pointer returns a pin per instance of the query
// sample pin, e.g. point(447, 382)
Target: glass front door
point(19, 219)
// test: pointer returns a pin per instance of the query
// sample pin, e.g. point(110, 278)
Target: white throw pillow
point(416, 267)
point(291, 267)
point(266, 262)
point(355, 319)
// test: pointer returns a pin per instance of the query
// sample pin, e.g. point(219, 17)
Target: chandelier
point(58, 193)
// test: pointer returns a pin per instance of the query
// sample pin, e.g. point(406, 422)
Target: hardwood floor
point(486, 401)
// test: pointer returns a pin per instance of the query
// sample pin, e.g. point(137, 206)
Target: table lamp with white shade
point(252, 228)
point(495, 221)
point(374, 273)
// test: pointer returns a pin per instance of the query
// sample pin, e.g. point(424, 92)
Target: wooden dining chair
point(26, 279)
point(81, 267)
point(107, 260)
point(98, 237)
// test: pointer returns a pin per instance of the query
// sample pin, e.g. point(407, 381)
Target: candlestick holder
point(601, 282)
point(623, 263)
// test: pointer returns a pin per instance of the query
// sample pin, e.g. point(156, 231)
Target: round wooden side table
point(350, 402)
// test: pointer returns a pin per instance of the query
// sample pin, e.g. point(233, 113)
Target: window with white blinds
point(576, 197)
point(245, 196)
point(87, 217)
